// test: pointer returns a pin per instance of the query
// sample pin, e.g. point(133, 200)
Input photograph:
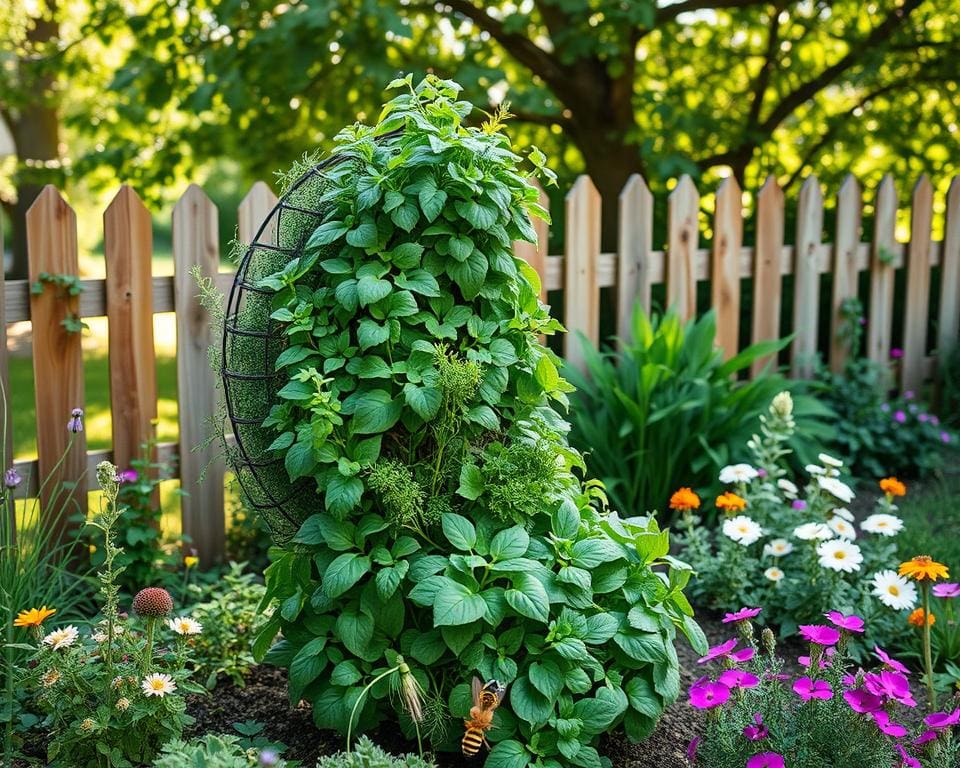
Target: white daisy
point(742, 529)
point(158, 684)
point(842, 528)
point(840, 555)
point(789, 489)
point(836, 488)
point(738, 473)
point(62, 638)
point(844, 513)
point(777, 548)
point(184, 625)
point(815, 469)
point(894, 590)
point(812, 532)
point(885, 525)
point(774, 574)
point(828, 461)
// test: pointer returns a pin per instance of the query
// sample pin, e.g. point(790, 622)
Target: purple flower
point(798, 504)
point(889, 661)
point(906, 761)
point(128, 476)
point(941, 720)
point(882, 719)
point(924, 737)
point(819, 634)
point(268, 758)
point(758, 731)
point(923, 418)
point(808, 689)
point(909, 395)
point(896, 353)
point(705, 694)
point(766, 760)
point(946, 590)
point(804, 661)
point(848, 623)
point(862, 701)
point(76, 420)
point(718, 651)
point(890, 685)
point(744, 614)
point(761, 472)
point(11, 479)
point(900, 417)
point(738, 678)
point(743, 655)
point(945, 437)
point(692, 749)
point(935, 421)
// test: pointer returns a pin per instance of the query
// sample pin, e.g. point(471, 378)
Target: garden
point(439, 498)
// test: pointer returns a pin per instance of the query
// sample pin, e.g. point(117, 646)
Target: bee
point(486, 698)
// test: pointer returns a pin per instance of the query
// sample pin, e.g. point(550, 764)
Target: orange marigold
point(916, 618)
point(684, 499)
point(893, 487)
point(34, 617)
point(924, 567)
point(730, 502)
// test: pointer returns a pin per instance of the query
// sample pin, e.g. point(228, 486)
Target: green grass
point(932, 523)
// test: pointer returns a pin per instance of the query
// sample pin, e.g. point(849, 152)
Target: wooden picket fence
point(130, 295)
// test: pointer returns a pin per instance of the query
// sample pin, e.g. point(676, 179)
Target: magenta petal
point(766, 760)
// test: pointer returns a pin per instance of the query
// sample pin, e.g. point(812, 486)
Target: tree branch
point(670, 12)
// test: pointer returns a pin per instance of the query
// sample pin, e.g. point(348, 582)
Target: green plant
point(417, 398)
point(228, 611)
point(366, 754)
point(248, 536)
point(665, 410)
point(110, 695)
point(214, 751)
point(65, 286)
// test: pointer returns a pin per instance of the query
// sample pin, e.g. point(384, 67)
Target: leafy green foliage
point(210, 751)
point(366, 754)
point(434, 404)
point(666, 410)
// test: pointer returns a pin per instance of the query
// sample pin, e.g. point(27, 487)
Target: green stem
point(927, 653)
point(148, 650)
point(8, 726)
point(363, 693)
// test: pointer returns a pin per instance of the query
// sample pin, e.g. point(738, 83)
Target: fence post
point(767, 269)
point(917, 307)
point(253, 211)
point(635, 241)
point(128, 251)
point(806, 279)
point(57, 358)
point(949, 320)
point(195, 242)
point(683, 207)
point(581, 299)
point(6, 420)
point(535, 254)
point(725, 268)
point(881, 272)
point(845, 275)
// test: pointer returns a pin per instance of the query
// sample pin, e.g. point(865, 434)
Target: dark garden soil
point(265, 699)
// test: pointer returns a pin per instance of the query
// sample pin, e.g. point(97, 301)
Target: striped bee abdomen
point(472, 741)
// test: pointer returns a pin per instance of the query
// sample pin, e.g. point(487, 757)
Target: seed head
point(152, 602)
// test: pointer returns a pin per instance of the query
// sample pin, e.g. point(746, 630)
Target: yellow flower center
point(894, 590)
point(157, 684)
point(840, 555)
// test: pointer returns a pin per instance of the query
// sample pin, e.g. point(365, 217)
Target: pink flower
point(766, 760)
point(924, 737)
point(744, 614)
point(743, 655)
point(705, 694)
point(882, 719)
point(889, 661)
point(896, 353)
point(798, 504)
point(945, 437)
point(692, 749)
point(946, 590)
point(900, 417)
point(906, 761)
point(890, 685)
point(819, 634)
point(808, 689)
point(849, 623)
point(738, 678)
point(941, 720)
point(862, 701)
point(128, 476)
point(758, 731)
point(718, 651)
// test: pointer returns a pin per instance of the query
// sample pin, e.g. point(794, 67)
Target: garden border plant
point(455, 536)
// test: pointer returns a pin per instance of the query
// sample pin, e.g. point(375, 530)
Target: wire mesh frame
point(254, 468)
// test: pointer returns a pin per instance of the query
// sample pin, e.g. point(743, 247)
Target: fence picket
point(7, 418)
point(725, 269)
point(806, 279)
point(581, 287)
point(128, 251)
point(683, 207)
point(880, 321)
point(253, 211)
point(535, 254)
point(767, 269)
point(917, 307)
point(57, 359)
point(195, 240)
point(949, 319)
point(634, 246)
point(845, 274)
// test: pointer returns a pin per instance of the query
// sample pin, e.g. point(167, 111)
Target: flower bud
point(769, 640)
point(782, 405)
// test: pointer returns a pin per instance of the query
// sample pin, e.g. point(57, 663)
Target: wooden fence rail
point(130, 295)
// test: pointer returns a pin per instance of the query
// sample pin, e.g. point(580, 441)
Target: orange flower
point(34, 617)
point(730, 502)
point(916, 618)
point(893, 487)
point(684, 500)
point(924, 567)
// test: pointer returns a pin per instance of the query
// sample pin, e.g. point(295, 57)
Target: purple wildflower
point(896, 353)
point(848, 623)
point(766, 760)
point(692, 749)
point(718, 651)
point(705, 694)
point(906, 761)
point(128, 476)
point(889, 661)
point(758, 731)
point(744, 614)
point(75, 424)
point(11, 479)
point(946, 590)
point(945, 437)
point(808, 689)
point(820, 634)
point(887, 726)
point(738, 678)
point(798, 504)
point(941, 720)
point(862, 701)
point(900, 417)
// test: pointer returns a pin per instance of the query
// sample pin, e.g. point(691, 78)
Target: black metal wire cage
point(252, 342)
